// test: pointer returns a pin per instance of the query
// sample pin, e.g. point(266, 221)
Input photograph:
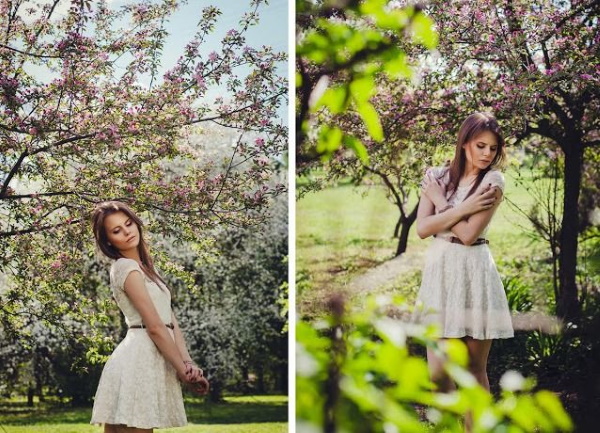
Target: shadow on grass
point(18, 413)
point(250, 410)
point(235, 410)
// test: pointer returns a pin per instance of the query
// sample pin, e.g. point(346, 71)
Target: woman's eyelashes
point(127, 223)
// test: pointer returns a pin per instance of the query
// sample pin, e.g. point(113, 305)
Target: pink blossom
point(587, 76)
point(200, 81)
point(213, 56)
point(260, 142)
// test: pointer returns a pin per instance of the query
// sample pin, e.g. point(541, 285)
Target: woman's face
point(481, 150)
point(122, 232)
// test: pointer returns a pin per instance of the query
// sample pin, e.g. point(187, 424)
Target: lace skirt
point(461, 291)
point(138, 387)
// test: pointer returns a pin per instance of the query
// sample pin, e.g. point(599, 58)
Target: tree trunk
point(261, 380)
point(405, 225)
point(215, 393)
point(567, 304)
point(30, 394)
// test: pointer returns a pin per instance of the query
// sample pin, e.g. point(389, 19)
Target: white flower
point(512, 381)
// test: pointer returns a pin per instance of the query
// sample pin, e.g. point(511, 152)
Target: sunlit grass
point(247, 414)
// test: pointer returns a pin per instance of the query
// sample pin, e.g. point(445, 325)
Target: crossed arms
point(466, 220)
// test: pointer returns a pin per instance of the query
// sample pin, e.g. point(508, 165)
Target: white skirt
point(138, 387)
point(462, 292)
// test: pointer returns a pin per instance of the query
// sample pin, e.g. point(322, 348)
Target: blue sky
point(272, 29)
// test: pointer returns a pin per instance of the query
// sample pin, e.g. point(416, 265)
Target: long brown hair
point(107, 208)
point(474, 125)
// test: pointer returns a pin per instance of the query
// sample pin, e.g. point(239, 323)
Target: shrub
point(356, 373)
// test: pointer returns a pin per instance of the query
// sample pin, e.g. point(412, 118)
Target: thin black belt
point(455, 240)
point(168, 325)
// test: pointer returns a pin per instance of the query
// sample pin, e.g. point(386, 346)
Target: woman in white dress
point(461, 290)
point(139, 388)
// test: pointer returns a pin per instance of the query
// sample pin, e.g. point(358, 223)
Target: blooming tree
point(342, 48)
point(234, 321)
point(89, 113)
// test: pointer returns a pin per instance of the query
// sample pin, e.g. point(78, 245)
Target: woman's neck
point(470, 171)
point(132, 254)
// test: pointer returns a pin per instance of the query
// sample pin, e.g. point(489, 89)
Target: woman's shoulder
point(124, 263)
point(437, 172)
point(120, 269)
point(494, 177)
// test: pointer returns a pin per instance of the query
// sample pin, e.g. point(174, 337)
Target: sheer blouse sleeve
point(495, 178)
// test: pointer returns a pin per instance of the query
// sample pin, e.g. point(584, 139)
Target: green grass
point(342, 232)
point(254, 414)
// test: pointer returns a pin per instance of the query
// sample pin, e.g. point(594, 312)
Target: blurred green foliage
point(356, 372)
point(350, 43)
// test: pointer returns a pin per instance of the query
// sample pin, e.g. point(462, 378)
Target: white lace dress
point(138, 387)
point(461, 290)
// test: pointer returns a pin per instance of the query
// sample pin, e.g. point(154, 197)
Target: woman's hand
point(482, 199)
point(194, 378)
point(195, 373)
point(435, 190)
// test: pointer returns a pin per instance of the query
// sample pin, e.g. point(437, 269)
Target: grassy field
point(253, 414)
point(344, 231)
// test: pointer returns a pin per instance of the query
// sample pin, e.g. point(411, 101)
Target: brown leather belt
point(168, 325)
point(455, 240)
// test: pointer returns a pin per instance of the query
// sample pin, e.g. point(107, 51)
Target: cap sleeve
point(436, 173)
point(495, 178)
point(120, 270)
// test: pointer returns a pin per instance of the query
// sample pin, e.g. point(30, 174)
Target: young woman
point(139, 388)
point(461, 289)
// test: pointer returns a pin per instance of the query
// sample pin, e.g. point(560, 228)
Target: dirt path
point(386, 272)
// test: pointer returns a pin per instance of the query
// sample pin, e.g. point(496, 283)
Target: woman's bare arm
point(196, 375)
point(429, 223)
point(468, 231)
point(180, 340)
point(183, 350)
point(135, 289)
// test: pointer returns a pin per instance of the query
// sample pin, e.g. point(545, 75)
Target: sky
point(272, 30)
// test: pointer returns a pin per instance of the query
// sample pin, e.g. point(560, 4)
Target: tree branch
point(221, 116)
point(37, 229)
point(12, 173)
point(40, 56)
point(390, 186)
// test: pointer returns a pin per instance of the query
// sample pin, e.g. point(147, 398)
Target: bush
point(355, 373)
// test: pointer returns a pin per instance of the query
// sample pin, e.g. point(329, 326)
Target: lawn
point(343, 231)
point(249, 414)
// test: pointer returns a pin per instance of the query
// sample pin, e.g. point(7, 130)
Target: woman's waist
point(449, 237)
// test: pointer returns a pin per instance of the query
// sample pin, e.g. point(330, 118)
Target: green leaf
point(371, 118)
point(423, 31)
point(358, 147)
point(362, 88)
point(396, 19)
point(371, 7)
point(334, 98)
point(457, 352)
point(397, 66)
point(329, 141)
point(550, 403)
